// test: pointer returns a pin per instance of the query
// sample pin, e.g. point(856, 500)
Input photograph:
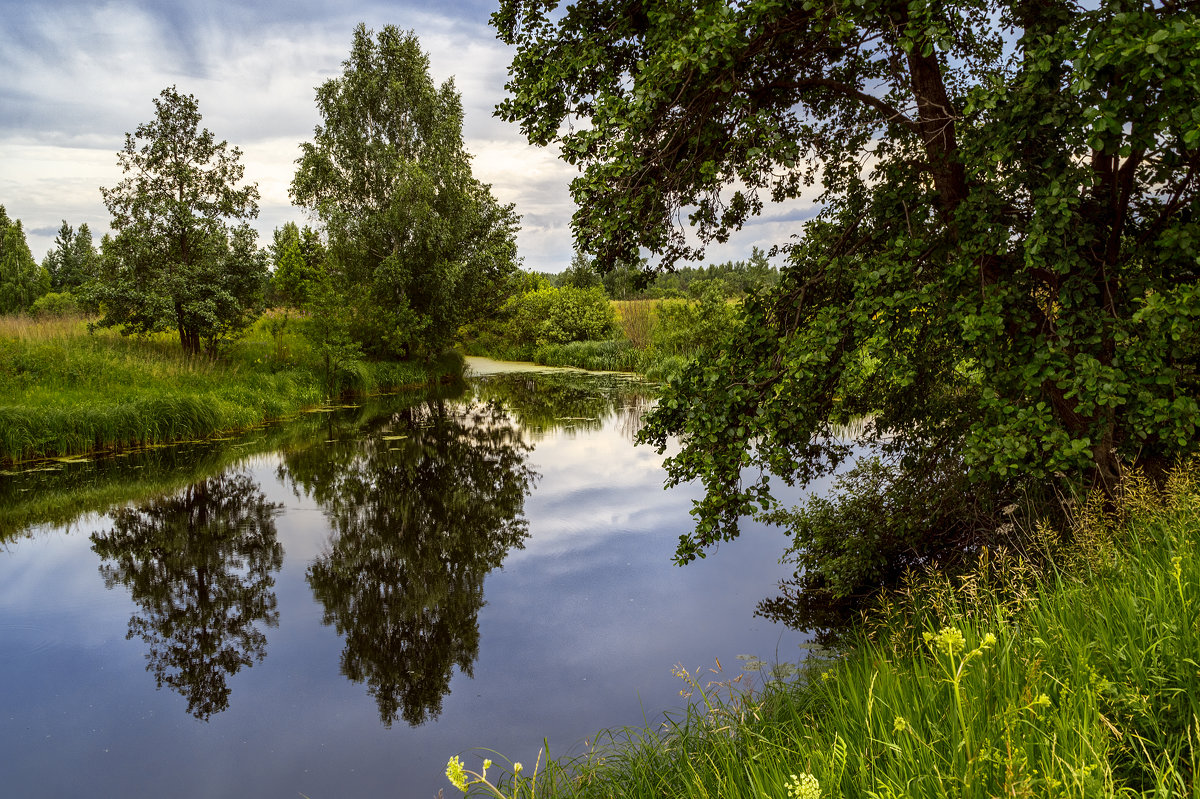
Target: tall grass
point(65, 391)
point(1076, 675)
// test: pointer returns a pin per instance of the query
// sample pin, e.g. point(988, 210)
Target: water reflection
point(421, 507)
point(199, 566)
point(544, 402)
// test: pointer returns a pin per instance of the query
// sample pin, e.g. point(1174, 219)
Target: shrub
point(559, 316)
point(54, 304)
point(637, 318)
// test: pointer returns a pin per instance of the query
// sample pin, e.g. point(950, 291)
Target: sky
point(79, 75)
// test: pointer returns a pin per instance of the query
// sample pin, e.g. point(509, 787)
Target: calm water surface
point(334, 606)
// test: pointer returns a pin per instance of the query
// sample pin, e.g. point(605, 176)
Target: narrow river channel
point(335, 605)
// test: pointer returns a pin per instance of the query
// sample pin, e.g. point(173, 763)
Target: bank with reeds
point(1069, 668)
point(65, 391)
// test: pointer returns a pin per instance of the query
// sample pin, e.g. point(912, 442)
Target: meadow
point(67, 391)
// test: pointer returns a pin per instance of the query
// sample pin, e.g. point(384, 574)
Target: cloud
point(80, 75)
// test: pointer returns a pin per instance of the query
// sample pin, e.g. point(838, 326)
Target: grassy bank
point(65, 391)
point(1073, 670)
point(650, 342)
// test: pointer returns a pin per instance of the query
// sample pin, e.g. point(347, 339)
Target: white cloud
point(80, 76)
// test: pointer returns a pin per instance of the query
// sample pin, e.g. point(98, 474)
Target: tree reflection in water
point(421, 509)
point(569, 401)
point(199, 565)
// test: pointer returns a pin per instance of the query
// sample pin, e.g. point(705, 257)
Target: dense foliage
point(558, 315)
point(177, 260)
point(73, 261)
point(21, 282)
point(417, 245)
point(1008, 235)
point(299, 265)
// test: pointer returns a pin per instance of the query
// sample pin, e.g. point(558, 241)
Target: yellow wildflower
point(804, 786)
point(456, 774)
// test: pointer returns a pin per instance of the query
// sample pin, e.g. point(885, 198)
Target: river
point(335, 605)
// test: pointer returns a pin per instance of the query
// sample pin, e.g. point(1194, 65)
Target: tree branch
point(890, 112)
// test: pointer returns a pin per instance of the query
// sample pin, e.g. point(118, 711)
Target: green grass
point(1073, 671)
point(66, 391)
point(59, 492)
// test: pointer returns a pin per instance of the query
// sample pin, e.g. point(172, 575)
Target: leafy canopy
point(1003, 273)
point(419, 244)
point(183, 255)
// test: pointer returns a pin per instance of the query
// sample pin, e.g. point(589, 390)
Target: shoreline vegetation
point(70, 393)
point(1068, 669)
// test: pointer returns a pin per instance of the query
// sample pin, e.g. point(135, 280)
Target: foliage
point(559, 315)
point(299, 261)
point(886, 516)
point(329, 330)
point(55, 304)
point(686, 327)
point(175, 260)
point(1075, 687)
point(416, 241)
point(579, 274)
point(73, 261)
point(21, 282)
point(1008, 232)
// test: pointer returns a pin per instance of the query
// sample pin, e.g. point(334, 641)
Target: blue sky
point(79, 75)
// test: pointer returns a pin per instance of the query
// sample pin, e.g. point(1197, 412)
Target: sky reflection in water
point(373, 593)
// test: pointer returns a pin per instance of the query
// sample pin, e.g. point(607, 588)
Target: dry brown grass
point(636, 318)
point(54, 328)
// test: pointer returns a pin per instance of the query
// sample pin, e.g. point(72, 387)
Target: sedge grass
point(1085, 685)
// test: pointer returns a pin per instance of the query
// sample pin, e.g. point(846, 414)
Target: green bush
point(559, 316)
point(54, 304)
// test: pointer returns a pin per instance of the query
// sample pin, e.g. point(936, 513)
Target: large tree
point(1006, 246)
point(420, 246)
point(184, 255)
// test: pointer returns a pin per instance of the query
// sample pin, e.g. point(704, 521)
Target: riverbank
point(1070, 671)
point(67, 392)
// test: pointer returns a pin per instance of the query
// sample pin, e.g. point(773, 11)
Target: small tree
point(177, 258)
point(299, 258)
point(73, 260)
point(21, 281)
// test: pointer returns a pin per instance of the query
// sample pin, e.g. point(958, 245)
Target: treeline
point(635, 282)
